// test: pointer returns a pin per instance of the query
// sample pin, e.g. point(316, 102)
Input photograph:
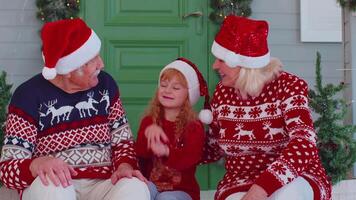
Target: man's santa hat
point(242, 42)
point(66, 46)
point(197, 86)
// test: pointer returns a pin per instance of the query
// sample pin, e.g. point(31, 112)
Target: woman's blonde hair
point(156, 110)
point(250, 82)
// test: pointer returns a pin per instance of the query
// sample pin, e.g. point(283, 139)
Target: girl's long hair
point(156, 110)
point(251, 81)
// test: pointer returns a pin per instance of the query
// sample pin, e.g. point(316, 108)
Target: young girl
point(170, 163)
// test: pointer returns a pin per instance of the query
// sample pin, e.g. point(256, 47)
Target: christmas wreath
point(348, 3)
point(223, 8)
point(53, 10)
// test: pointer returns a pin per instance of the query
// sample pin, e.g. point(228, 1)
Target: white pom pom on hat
point(206, 116)
point(49, 73)
point(197, 86)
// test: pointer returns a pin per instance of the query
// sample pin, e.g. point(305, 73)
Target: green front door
point(139, 37)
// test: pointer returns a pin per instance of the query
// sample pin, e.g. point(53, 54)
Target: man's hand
point(256, 192)
point(155, 134)
point(55, 169)
point(125, 170)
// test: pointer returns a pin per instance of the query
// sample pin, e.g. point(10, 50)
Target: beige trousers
point(298, 189)
point(89, 189)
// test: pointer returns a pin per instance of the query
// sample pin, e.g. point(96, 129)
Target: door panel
point(145, 12)
point(140, 37)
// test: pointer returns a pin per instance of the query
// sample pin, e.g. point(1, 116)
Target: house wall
point(284, 40)
point(352, 64)
point(19, 40)
point(20, 44)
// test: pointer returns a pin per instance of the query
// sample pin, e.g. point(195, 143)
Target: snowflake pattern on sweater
point(87, 129)
point(267, 140)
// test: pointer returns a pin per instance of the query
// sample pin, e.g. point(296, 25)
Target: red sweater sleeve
point(122, 143)
point(16, 157)
point(190, 153)
point(141, 143)
point(302, 146)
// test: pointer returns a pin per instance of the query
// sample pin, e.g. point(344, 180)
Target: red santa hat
point(197, 86)
point(66, 46)
point(242, 42)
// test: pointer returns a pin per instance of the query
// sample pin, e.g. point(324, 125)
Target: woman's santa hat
point(242, 42)
point(197, 86)
point(66, 46)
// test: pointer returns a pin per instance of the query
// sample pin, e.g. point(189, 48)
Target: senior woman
point(261, 124)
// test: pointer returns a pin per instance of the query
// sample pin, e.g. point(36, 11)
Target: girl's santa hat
point(66, 46)
point(197, 86)
point(242, 42)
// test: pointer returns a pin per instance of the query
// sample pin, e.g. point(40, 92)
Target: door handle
point(198, 23)
point(193, 14)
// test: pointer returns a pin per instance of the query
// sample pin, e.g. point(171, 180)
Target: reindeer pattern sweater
point(87, 129)
point(267, 140)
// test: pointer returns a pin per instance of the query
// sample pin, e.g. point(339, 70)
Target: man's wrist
point(124, 166)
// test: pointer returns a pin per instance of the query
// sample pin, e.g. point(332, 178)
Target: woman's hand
point(256, 192)
point(55, 169)
point(126, 170)
point(154, 135)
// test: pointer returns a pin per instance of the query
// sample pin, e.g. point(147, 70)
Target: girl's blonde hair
point(156, 110)
point(250, 82)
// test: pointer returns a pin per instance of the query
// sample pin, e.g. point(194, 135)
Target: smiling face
point(86, 76)
point(227, 74)
point(172, 90)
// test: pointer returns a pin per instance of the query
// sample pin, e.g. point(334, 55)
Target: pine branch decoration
point(337, 147)
point(224, 8)
point(53, 10)
point(348, 3)
point(5, 95)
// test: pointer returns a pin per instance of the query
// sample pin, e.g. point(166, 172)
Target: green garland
point(337, 148)
point(53, 10)
point(223, 8)
point(5, 95)
point(348, 3)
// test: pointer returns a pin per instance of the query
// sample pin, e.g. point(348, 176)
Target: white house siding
point(19, 40)
point(352, 63)
point(284, 42)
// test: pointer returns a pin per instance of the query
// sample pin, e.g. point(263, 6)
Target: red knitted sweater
point(267, 140)
point(177, 171)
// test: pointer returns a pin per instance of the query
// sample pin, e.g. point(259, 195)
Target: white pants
point(89, 189)
point(298, 189)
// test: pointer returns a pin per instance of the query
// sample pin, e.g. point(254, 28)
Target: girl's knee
point(173, 195)
point(165, 196)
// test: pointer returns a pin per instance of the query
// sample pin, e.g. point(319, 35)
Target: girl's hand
point(160, 149)
point(155, 134)
point(256, 192)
